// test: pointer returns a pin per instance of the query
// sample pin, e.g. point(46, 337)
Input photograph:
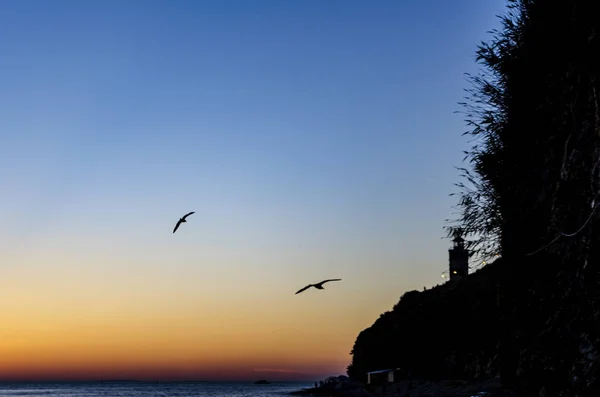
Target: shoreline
point(444, 388)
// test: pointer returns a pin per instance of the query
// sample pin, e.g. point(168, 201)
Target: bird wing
point(186, 215)
point(177, 226)
point(305, 288)
point(331, 279)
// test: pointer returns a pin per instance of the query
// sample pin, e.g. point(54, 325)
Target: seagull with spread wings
point(318, 285)
point(181, 220)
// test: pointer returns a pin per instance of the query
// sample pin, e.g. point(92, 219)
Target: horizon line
point(137, 381)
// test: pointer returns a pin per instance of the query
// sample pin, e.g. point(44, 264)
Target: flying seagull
point(180, 221)
point(318, 285)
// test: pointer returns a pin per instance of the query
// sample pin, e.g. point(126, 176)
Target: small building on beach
point(383, 376)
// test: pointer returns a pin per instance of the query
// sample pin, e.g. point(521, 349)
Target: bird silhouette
point(318, 285)
point(181, 220)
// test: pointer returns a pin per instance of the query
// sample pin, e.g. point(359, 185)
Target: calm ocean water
point(138, 389)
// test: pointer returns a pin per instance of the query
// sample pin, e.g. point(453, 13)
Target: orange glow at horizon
point(151, 351)
point(156, 349)
point(83, 327)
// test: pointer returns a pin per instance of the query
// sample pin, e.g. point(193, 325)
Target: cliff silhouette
point(447, 332)
point(455, 331)
point(531, 192)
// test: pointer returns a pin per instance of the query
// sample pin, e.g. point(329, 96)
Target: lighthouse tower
point(459, 258)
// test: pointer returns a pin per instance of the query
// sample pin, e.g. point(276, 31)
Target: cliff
point(447, 332)
point(455, 331)
point(530, 192)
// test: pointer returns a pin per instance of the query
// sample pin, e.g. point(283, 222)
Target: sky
point(313, 139)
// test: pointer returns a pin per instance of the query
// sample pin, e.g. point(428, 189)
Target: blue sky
point(283, 115)
point(314, 139)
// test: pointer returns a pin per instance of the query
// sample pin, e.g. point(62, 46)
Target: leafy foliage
point(480, 200)
point(533, 113)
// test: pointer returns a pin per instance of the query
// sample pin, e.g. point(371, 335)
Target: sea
point(139, 389)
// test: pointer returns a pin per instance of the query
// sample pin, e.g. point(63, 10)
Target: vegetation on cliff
point(447, 332)
point(531, 192)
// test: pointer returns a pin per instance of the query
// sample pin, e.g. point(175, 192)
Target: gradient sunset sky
point(314, 139)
